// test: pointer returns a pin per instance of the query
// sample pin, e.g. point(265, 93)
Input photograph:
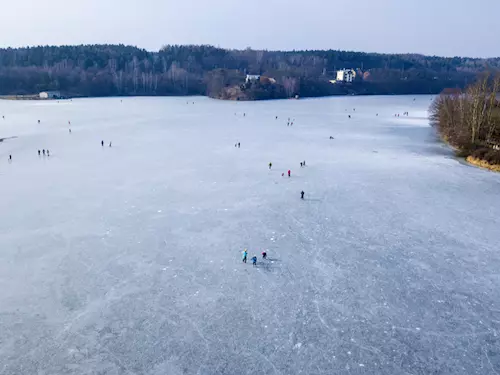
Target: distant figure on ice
point(270, 165)
point(102, 143)
point(377, 114)
point(43, 151)
point(239, 144)
point(38, 121)
point(109, 144)
point(331, 137)
point(254, 260)
point(10, 158)
point(244, 114)
point(48, 153)
point(39, 152)
point(264, 255)
point(245, 254)
point(69, 122)
point(304, 163)
point(283, 174)
point(69, 131)
point(3, 117)
point(288, 123)
point(289, 172)
point(276, 117)
point(301, 164)
point(349, 116)
point(302, 194)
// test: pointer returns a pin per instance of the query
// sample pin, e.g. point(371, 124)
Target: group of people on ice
point(254, 258)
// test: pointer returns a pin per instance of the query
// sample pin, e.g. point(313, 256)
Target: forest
point(119, 70)
point(469, 120)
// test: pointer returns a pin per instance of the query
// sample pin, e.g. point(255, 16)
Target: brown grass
point(483, 164)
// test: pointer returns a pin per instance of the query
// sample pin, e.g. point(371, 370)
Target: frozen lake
point(127, 260)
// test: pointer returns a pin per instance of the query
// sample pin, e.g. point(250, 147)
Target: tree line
point(469, 120)
point(113, 70)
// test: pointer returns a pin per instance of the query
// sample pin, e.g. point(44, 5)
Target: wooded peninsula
point(469, 120)
point(119, 70)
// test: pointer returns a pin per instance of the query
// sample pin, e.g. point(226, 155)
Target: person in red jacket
point(289, 172)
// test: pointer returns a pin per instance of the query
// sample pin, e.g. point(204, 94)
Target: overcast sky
point(436, 27)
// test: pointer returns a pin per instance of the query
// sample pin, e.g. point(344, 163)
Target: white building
point(346, 75)
point(252, 78)
point(50, 95)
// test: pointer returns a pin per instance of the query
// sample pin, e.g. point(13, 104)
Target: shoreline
point(31, 98)
point(483, 164)
point(470, 160)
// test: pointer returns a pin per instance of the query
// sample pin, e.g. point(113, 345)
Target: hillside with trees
point(115, 70)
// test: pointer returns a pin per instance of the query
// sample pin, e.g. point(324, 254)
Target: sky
point(432, 27)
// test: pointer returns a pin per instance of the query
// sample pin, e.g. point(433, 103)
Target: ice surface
point(127, 260)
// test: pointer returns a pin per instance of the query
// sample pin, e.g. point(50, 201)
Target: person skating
point(69, 130)
point(245, 254)
point(254, 260)
point(302, 194)
point(39, 152)
point(48, 153)
point(301, 164)
point(239, 144)
point(43, 152)
point(304, 163)
point(270, 165)
point(264, 255)
point(102, 143)
point(109, 144)
point(289, 172)
point(10, 157)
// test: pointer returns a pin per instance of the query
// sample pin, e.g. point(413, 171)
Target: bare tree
point(290, 84)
